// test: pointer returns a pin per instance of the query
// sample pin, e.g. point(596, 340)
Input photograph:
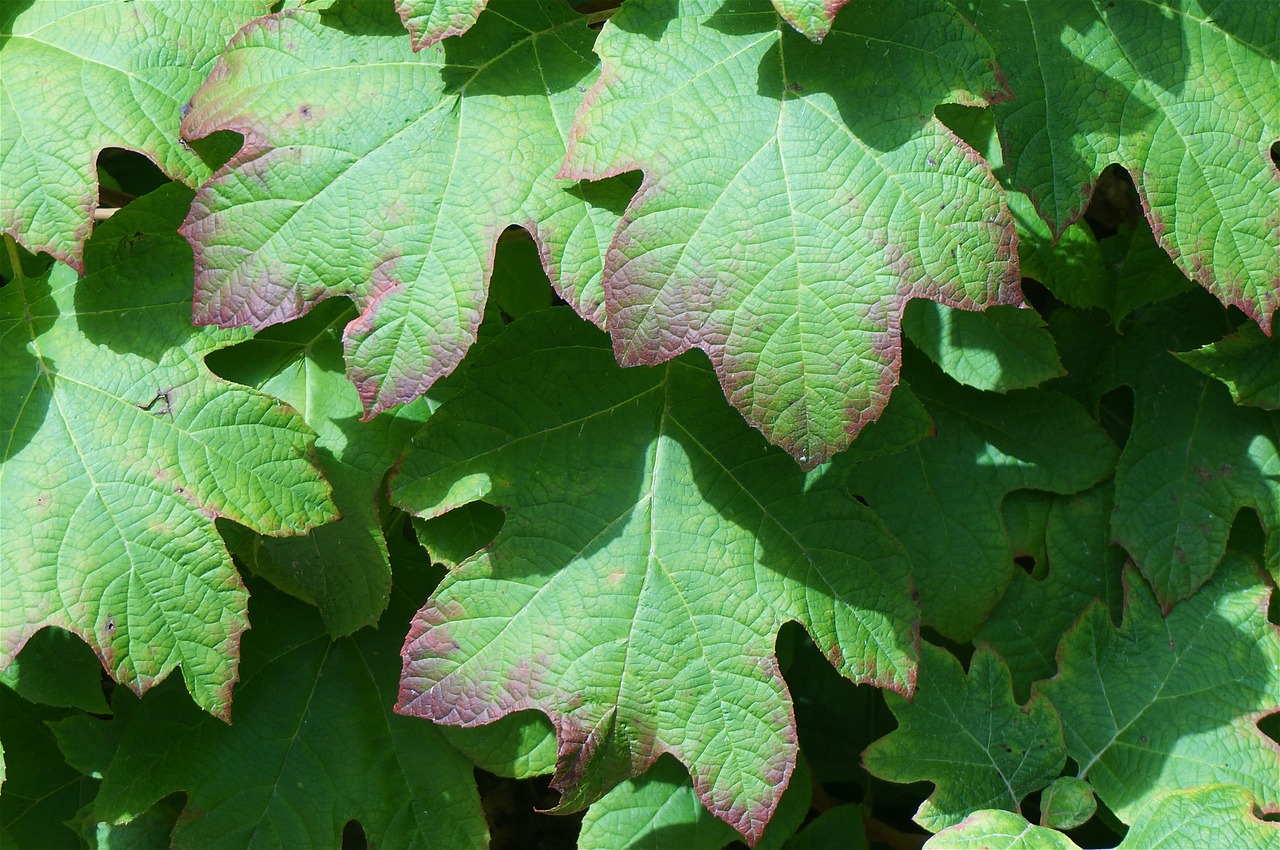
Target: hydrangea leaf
point(811, 17)
point(1000, 350)
point(1173, 702)
point(122, 449)
point(520, 745)
point(41, 791)
point(838, 828)
point(1067, 803)
point(429, 21)
point(660, 810)
point(1247, 362)
point(995, 829)
point(309, 750)
point(785, 237)
point(966, 735)
point(342, 567)
point(442, 149)
point(82, 75)
point(1211, 816)
point(687, 515)
point(1027, 624)
point(56, 668)
point(942, 496)
point(1197, 144)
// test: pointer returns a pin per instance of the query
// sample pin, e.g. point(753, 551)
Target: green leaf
point(1196, 141)
point(785, 236)
point(1082, 565)
point(1165, 703)
point(56, 668)
point(459, 534)
point(520, 745)
point(1067, 803)
point(639, 490)
point(441, 149)
point(82, 75)
point(429, 21)
point(41, 791)
point(967, 736)
point(839, 828)
point(341, 567)
point(942, 496)
point(1247, 361)
point(811, 17)
point(1000, 350)
point(999, 830)
point(120, 451)
point(660, 810)
point(313, 745)
point(1211, 816)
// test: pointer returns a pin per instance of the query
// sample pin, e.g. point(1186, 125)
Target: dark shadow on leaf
point(28, 382)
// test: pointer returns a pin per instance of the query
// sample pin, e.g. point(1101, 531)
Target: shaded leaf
point(56, 668)
point(1165, 703)
point(313, 745)
point(82, 75)
point(811, 17)
point(1067, 803)
point(839, 828)
point(785, 237)
point(994, 829)
point(1247, 362)
point(41, 791)
point(429, 21)
point(684, 515)
point(1210, 816)
point(1000, 350)
point(966, 735)
point(121, 449)
point(425, 147)
point(520, 745)
point(1197, 143)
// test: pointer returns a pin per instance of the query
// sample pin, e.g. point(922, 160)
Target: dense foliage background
point(708, 420)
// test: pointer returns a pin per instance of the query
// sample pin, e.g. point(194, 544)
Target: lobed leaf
point(1000, 350)
point(82, 75)
point(785, 237)
point(994, 829)
point(120, 451)
point(1210, 816)
point(429, 21)
point(386, 176)
point(693, 542)
point(1246, 361)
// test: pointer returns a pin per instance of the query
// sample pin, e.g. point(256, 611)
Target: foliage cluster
point(810, 423)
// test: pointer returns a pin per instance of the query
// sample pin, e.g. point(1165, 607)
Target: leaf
point(1067, 803)
point(669, 513)
point(811, 17)
point(82, 75)
point(942, 497)
point(1083, 565)
point(429, 21)
point(1000, 350)
point(341, 567)
point(1246, 361)
point(1197, 143)
point(121, 450)
point(520, 746)
point(41, 791)
point(56, 668)
point(661, 810)
point(785, 236)
point(1165, 703)
point(967, 736)
point(1211, 816)
point(838, 828)
point(314, 745)
point(423, 148)
point(999, 830)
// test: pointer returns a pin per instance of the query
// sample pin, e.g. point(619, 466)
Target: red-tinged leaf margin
point(811, 18)
point(423, 33)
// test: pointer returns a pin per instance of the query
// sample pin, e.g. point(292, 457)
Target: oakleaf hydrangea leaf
point(785, 237)
point(811, 17)
point(1000, 350)
point(57, 668)
point(1247, 362)
point(994, 829)
point(41, 790)
point(1185, 94)
point(120, 451)
point(82, 75)
point(1173, 702)
point(693, 542)
point(1211, 816)
point(386, 176)
point(942, 496)
point(838, 828)
point(313, 745)
point(966, 735)
point(660, 810)
point(341, 567)
point(429, 21)
point(1067, 803)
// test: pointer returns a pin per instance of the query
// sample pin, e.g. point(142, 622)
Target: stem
point(14, 260)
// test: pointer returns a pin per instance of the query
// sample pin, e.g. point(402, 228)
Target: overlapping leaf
point(1000, 350)
point(82, 75)
point(376, 173)
point(341, 567)
point(1210, 816)
point(1165, 703)
point(1185, 94)
point(638, 494)
point(784, 236)
point(994, 829)
point(942, 496)
point(1247, 362)
point(966, 735)
point(429, 21)
point(313, 745)
point(811, 17)
point(121, 449)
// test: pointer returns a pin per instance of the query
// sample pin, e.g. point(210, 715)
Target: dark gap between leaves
point(1114, 202)
point(514, 824)
point(353, 837)
point(1115, 414)
point(1027, 563)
